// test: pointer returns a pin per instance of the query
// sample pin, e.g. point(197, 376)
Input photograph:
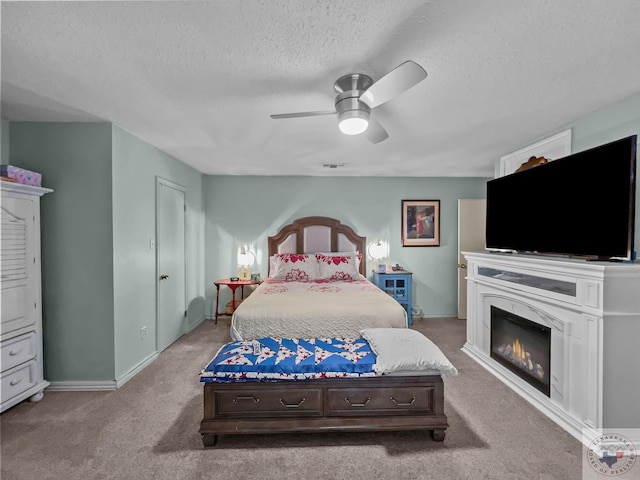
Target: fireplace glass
point(522, 346)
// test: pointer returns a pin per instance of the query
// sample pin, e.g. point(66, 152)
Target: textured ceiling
point(199, 79)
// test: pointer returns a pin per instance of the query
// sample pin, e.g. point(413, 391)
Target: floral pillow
point(342, 254)
point(338, 268)
point(295, 267)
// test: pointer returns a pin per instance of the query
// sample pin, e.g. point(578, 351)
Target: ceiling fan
point(358, 94)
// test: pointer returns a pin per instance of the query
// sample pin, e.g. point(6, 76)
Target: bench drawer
point(272, 402)
point(381, 400)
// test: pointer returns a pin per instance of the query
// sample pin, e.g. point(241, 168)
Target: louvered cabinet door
point(19, 263)
point(21, 359)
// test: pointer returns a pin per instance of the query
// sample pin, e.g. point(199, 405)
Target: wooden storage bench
point(336, 404)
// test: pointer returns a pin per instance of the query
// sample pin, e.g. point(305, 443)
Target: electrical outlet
point(143, 333)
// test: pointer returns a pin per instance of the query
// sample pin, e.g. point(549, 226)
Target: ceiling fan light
point(353, 122)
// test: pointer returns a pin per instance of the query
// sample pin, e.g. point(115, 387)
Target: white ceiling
point(199, 79)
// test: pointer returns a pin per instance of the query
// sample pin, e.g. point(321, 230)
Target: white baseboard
point(135, 370)
point(193, 325)
point(103, 386)
point(108, 385)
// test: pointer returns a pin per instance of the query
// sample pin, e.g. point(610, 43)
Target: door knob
point(462, 265)
point(164, 277)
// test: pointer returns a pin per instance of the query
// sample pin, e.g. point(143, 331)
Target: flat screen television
point(581, 205)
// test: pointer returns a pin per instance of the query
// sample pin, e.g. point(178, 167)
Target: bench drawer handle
point(15, 381)
point(346, 399)
point(250, 397)
point(292, 405)
point(403, 404)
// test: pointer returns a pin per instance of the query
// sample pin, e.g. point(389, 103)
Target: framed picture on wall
point(420, 223)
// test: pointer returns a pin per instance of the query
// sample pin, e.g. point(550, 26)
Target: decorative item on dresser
point(22, 374)
point(398, 284)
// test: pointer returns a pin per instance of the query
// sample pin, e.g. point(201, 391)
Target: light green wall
point(612, 123)
point(135, 167)
point(4, 142)
point(618, 121)
point(98, 270)
point(77, 245)
point(246, 210)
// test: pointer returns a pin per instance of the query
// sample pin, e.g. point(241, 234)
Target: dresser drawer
point(17, 350)
point(18, 380)
point(273, 402)
point(381, 400)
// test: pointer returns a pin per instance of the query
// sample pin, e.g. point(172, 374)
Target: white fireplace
point(592, 310)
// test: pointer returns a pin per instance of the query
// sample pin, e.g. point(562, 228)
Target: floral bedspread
point(290, 359)
point(316, 309)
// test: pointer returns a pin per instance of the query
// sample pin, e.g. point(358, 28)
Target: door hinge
point(185, 313)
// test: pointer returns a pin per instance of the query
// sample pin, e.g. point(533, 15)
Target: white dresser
point(593, 312)
point(21, 363)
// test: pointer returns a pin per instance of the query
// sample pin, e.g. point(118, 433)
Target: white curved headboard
point(318, 234)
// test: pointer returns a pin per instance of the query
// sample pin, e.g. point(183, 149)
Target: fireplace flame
point(518, 350)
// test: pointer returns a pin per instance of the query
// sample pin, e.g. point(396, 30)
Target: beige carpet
point(148, 429)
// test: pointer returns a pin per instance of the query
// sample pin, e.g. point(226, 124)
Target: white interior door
point(171, 263)
point(471, 229)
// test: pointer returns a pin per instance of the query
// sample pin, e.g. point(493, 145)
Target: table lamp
point(246, 259)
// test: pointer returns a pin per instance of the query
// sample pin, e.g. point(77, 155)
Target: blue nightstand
point(398, 285)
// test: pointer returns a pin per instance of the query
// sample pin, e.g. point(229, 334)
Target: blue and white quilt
point(291, 359)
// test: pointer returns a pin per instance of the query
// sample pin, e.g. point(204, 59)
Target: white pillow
point(402, 349)
point(272, 266)
point(296, 267)
point(337, 268)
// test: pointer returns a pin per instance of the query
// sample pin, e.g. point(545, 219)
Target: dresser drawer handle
point(15, 381)
point(346, 399)
point(292, 405)
point(13, 353)
point(249, 397)
point(403, 404)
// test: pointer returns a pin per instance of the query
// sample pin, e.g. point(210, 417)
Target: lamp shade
point(246, 258)
point(378, 250)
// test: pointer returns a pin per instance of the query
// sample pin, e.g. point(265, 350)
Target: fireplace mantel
point(593, 310)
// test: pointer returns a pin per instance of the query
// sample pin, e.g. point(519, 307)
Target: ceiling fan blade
point(303, 114)
point(375, 132)
point(398, 80)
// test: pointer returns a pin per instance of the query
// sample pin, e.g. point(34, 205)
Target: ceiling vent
point(334, 165)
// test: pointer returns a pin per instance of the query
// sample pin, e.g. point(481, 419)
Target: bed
point(332, 300)
point(401, 389)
